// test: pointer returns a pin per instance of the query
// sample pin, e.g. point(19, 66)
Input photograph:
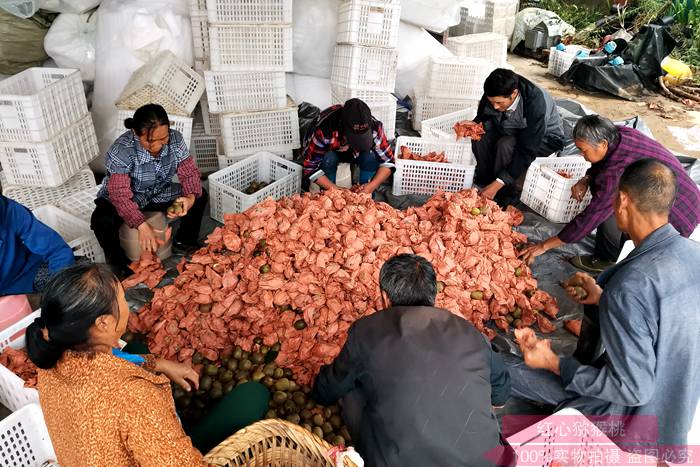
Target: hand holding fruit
point(181, 206)
point(583, 289)
point(537, 353)
point(178, 373)
point(578, 191)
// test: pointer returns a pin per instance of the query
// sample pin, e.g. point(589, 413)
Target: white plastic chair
point(24, 439)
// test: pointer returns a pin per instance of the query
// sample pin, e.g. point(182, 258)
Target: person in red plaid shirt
point(140, 168)
point(348, 133)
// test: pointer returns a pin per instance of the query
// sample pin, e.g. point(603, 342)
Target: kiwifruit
point(317, 431)
point(318, 419)
point(327, 428)
point(211, 370)
point(245, 365)
point(279, 396)
point(279, 372)
point(477, 295)
point(226, 376)
point(294, 418)
point(257, 357)
point(282, 384)
point(338, 441)
point(257, 375)
point(336, 421)
point(299, 324)
point(205, 382)
point(238, 352)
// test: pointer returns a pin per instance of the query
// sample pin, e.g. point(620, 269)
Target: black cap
point(356, 120)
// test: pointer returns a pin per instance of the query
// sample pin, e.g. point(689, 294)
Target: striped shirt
point(135, 178)
point(605, 176)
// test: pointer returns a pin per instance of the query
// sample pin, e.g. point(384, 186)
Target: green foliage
point(579, 16)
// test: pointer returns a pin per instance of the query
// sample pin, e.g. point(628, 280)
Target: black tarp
point(637, 77)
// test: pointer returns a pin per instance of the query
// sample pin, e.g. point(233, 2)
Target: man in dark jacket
point(418, 383)
point(521, 122)
point(30, 252)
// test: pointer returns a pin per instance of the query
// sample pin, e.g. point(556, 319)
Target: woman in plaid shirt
point(140, 168)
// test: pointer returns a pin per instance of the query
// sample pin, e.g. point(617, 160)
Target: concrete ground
point(671, 113)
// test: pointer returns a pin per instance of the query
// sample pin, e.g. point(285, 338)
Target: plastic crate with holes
point(456, 77)
point(34, 197)
point(200, 33)
point(177, 122)
point(368, 22)
point(561, 60)
point(25, 441)
point(13, 394)
point(442, 127)
point(423, 177)
point(499, 25)
point(205, 149)
point(427, 107)
point(250, 12)
point(80, 204)
point(364, 68)
point(547, 192)
point(38, 103)
point(164, 79)
point(264, 47)
point(211, 121)
point(225, 161)
point(53, 162)
point(227, 185)
point(75, 231)
point(245, 91)
point(269, 130)
point(487, 45)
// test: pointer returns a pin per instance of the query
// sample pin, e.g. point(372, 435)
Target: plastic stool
point(129, 238)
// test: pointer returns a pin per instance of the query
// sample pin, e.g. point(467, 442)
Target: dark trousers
point(106, 222)
point(609, 240)
point(494, 154)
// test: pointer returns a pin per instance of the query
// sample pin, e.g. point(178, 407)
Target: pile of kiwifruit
point(254, 186)
point(288, 400)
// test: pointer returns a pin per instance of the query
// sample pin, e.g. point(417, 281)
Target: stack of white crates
point(365, 58)
point(47, 138)
point(244, 50)
point(168, 81)
point(486, 16)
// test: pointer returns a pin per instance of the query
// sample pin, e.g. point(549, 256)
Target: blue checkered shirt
point(151, 178)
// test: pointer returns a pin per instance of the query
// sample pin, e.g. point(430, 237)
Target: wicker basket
point(271, 443)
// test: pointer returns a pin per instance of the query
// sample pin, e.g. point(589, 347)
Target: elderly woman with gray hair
point(610, 149)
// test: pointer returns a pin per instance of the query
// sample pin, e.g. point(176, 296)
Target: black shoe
point(507, 196)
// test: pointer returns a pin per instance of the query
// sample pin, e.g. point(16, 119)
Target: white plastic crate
point(80, 204)
point(456, 77)
point(455, 153)
point(165, 80)
point(225, 186)
point(177, 122)
point(422, 177)
point(76, 232)
point(38, 103)
point(442, 127)
point(225, 161)
point(13, 394)
point(341, 94)
point(53, 162)
point(250, 48)
point(269, 130)
point(25, 441)
point(205, 150)
point(499, 25)
point(488, 46)
point(245, 91)
point(560, 61)
point(250, 11)
point(548, 193)
point(200, 34)
point(364, 68)
point(430, 107)
point(368, 22)
point(211, 121)
point(33, 197)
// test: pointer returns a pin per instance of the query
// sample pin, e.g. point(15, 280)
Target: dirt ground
point(669, 113)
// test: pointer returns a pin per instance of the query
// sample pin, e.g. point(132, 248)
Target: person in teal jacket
point(30, 252)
